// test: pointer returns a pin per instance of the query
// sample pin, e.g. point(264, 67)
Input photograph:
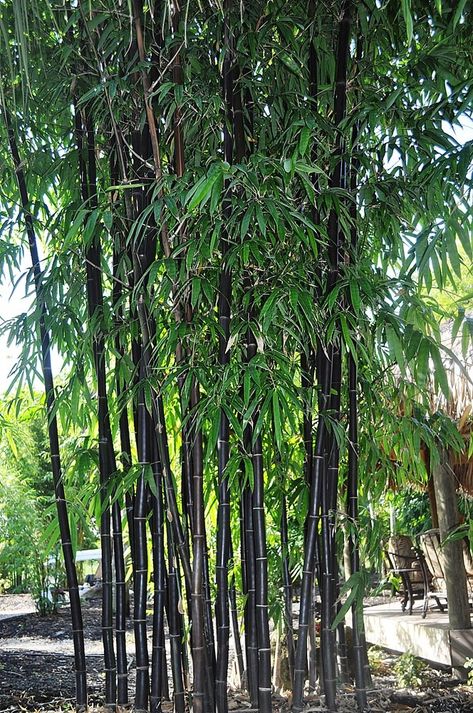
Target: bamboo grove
point(233, 211)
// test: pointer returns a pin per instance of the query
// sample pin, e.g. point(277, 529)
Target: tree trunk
point(455, 575)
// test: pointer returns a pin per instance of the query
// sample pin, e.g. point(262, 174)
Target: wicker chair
point(408, 564)
point(434, 557)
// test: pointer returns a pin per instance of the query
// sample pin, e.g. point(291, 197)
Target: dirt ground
point(36, 670)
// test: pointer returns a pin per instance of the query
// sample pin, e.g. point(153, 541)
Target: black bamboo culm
point(328, 550)
point(261, 581)
point(249, 590)
point(305, 606)
point(359, 643)
point(243, 573)
point(260, 550)
point(336, 245)
point(142, 253)
point(254, 448)
point(342, 646)
point(185, 310)
point(121, 603)
point(53, 433)
point(189, 440)
point(287, 587)
point(248, 552)
point(122, 608)
point(307, 360)
point(158, 658)
point(307, 383)
point(224, 310)
point(95, 301)
point(200, 702)
point(119, 278)
point(314, 647)
point(175, 634)
point(235, 623)
point(88, 179)
point(141, 554)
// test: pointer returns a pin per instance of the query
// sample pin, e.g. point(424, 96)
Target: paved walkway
point(15, 605)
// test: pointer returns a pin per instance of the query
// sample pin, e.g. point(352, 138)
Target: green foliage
point(469, 667)
point(409, 671)
point(412, 512)
point(24, 558)
point(29, 537)
point(376, 658)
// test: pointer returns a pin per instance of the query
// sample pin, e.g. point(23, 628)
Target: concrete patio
point(429, 638)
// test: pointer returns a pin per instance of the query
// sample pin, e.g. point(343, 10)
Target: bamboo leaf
point(440, 373)
point(461, 4)
point(355, 296)
point(407, 14)
point(304, 140)
point(423, 361)
point(347, 337)
point(201, 192)
point(245, 223)
point(277, 421)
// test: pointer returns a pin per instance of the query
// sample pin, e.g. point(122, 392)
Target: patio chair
point(434, 557)
point(408, 563)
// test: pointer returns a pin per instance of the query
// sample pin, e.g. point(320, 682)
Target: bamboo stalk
point(317, 477)
point(87, 167)
point(141, 555)
point(258, 653)
point(53, 432)
point(287, 587)
point(235, 624)
point(175, 636)
point(329, 555)
point(251, 642)
point(200, 692)
point(123, 603)
point(158, 670)
point(261, 598)
point(329, 488)
point(224, 315)
point(260, 553)
point(359, 642)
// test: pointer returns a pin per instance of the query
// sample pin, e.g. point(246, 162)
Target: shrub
point(409, 669)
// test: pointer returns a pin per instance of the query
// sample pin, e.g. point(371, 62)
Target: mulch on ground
point(37, 674)
point(36, 661)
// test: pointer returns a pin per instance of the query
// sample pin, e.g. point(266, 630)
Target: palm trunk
point(53, 433)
